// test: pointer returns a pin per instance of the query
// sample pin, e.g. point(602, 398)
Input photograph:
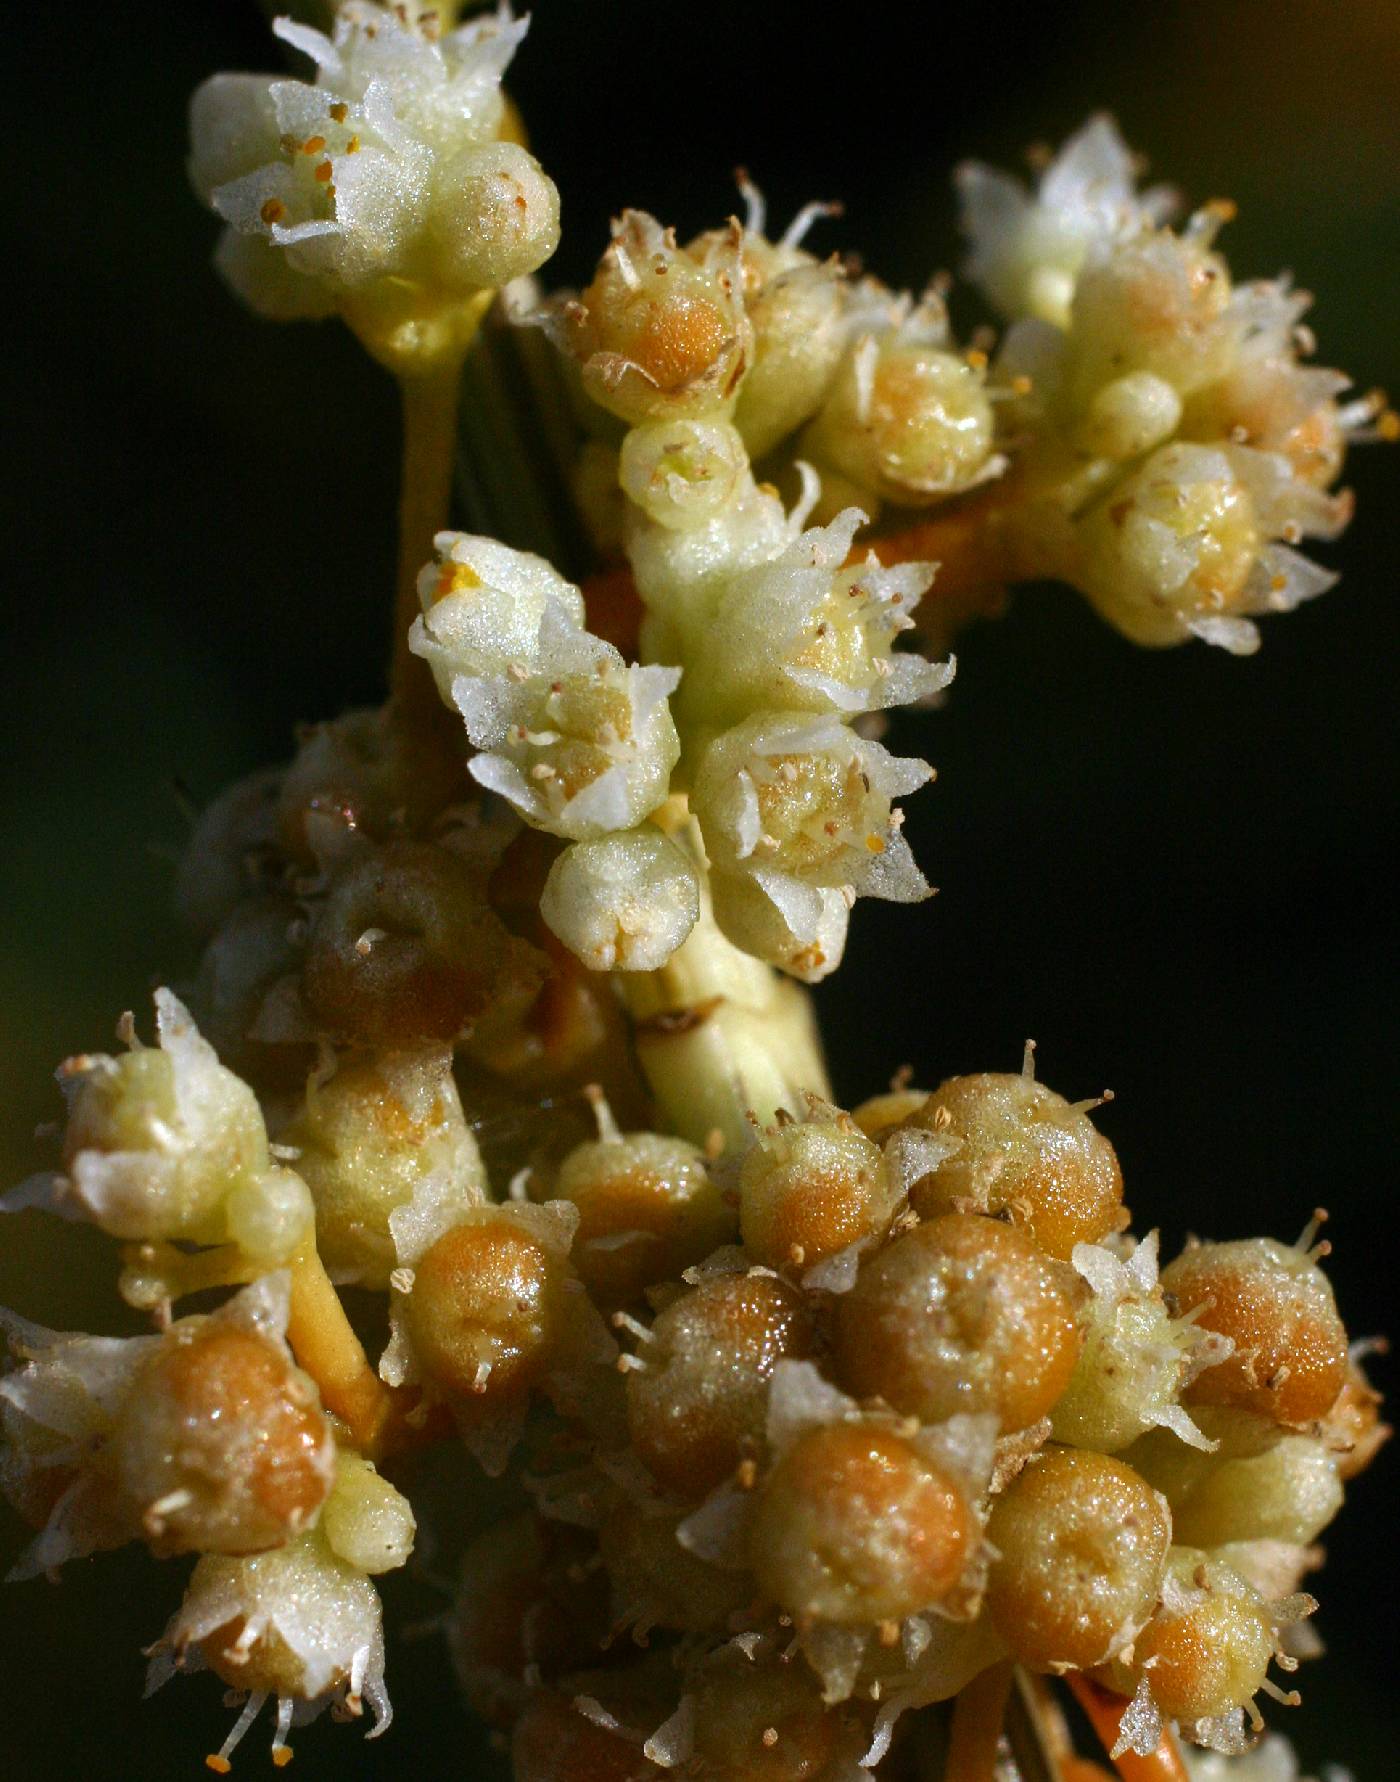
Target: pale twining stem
point(722, 1039)
point(326, 1346)
point(978, 1714)
point(429, 401)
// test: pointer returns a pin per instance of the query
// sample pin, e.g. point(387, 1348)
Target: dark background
point(1171, 869)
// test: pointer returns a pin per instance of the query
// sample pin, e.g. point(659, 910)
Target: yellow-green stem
point(326, 1346)
point(429, 447)
point(722, 1039)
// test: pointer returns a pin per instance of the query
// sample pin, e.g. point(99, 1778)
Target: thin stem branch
point(326, 1346)
point(978, 1714)
point(1105, 1712)
point(430, 400)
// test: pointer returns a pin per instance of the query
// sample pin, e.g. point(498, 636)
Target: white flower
point(387, 165)
point(578, 741)
point(56, 1412)
point(1136, 1360)
point(1027, 249)
point(158, 1138)
point(802, 804)
point(1188, 545)
point(299, 1623)
point(485, 606)
point(810, 631)
point(580, 749)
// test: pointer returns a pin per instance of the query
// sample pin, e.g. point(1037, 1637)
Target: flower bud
point(269, 1215)
point(1129, 416)
point(494, 216)
point(682, 472)
point(367, 1522)
point(624, 902)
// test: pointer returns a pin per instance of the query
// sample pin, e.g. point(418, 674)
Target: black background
point(1170, 869)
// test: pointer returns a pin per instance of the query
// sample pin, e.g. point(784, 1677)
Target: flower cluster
point(1177, 446)
point(388, 189)
point(498, 1026)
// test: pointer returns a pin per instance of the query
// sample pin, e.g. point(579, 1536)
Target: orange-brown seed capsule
point(963, 1313)
point(1207, 1649)
point(812, 1188)
point(1276, 1306)
point(648, 1209)
point(697, 1406)
point(1020, 1149)
point(525, 1599)
point(221, 1443)
point(488, 1311)
point(1081, 1543)
point(854, 1525)
point(404, 951)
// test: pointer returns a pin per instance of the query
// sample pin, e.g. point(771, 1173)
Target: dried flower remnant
point(821, 1436)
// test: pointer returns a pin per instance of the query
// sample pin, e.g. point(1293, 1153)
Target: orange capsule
point(962, 1313)
point(1081, 1543)
point(696, 1407)
point(489, 1311)
point(855, 1526)
point(221, 1442)
point(1017, 1147)
point(1276, 1306)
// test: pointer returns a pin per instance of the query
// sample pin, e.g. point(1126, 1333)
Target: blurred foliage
point(1167, 868)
